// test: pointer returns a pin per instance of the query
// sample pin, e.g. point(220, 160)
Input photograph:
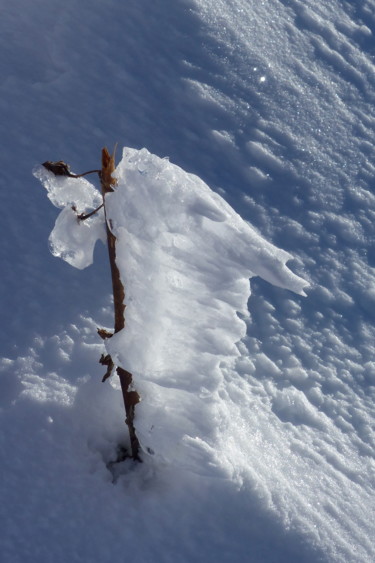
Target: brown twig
point(103, 333)
point(107, 361)
point(61, 168)
point(108, 182)
point(130, 397)
point(83, 216)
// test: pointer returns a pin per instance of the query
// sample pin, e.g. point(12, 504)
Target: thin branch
point(107, 361)
point(85, 173)
point(108, 182)
point(61, 168)
point(82, 216)
point(104, 334)
point(130, 397)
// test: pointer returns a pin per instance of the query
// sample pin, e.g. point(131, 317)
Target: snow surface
point(272, 105)
point(185, 258)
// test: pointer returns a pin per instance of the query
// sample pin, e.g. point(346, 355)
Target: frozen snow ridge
point(185, 258)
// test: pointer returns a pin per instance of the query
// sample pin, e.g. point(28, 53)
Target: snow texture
point(185, 258)
point(271, 104)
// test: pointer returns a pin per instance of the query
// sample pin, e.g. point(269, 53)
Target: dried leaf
point(58, 168)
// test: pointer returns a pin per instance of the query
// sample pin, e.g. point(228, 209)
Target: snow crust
point(272, 104)
point(185, 258)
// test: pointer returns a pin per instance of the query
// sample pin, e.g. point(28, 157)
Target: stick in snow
point(108, 183)
point(131, 398)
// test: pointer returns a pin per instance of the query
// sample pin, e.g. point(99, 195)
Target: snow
point(73, 240)
point(185, 258)
point(271, 104)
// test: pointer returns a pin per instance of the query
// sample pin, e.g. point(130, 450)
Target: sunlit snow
point(72, 240)
point(185, 259)
point(270, 458)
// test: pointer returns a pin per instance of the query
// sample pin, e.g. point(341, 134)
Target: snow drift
point(185, 259)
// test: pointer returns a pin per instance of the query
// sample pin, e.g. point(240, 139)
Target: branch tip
point(104, 333)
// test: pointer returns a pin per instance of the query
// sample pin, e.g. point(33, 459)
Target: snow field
point(272, 105)
point(185, 258)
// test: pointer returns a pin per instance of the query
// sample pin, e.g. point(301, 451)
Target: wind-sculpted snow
point(185, 259)
point(271, 103)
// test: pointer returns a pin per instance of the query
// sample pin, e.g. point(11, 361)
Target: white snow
point(185, 258)
point(73, 240)
point(271, 458)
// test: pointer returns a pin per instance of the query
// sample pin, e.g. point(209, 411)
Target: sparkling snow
point(271, 104)
point(185, 258)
